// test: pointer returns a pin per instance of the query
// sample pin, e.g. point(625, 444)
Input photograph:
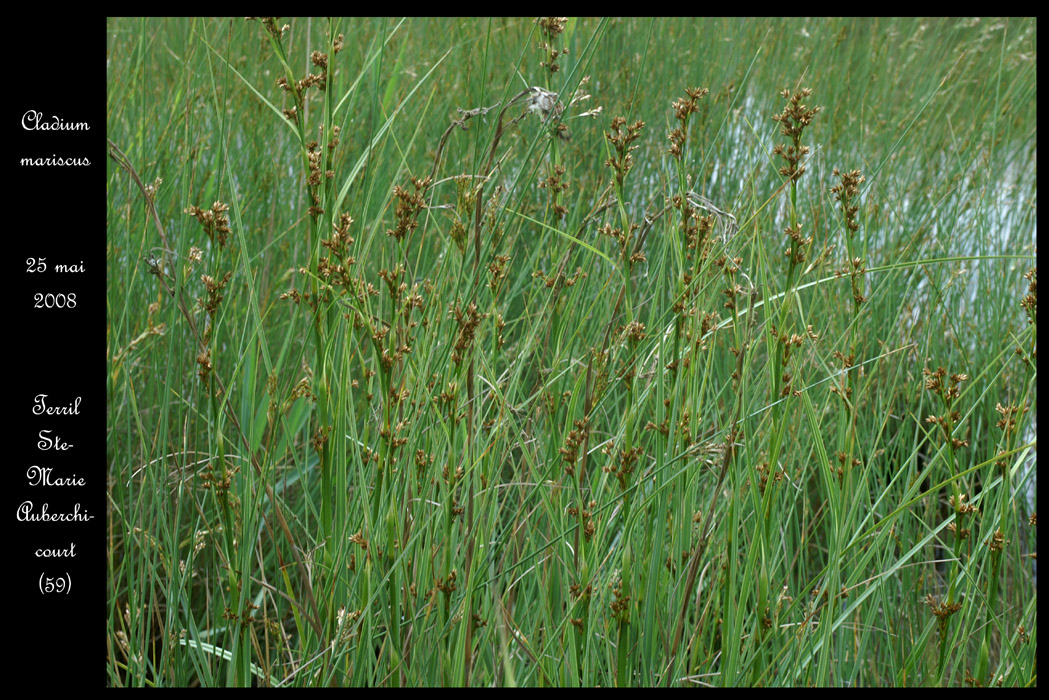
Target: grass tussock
point(572, 352)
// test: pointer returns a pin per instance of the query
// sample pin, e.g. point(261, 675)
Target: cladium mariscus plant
point(568, 352)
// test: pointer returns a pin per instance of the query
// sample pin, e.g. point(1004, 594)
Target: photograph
point(560, 352)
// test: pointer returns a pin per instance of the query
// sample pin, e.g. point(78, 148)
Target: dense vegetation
point(585, 352)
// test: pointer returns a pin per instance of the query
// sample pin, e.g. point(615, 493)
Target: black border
point(59, 215)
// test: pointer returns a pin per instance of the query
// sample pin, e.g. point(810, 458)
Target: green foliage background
point(287, 507)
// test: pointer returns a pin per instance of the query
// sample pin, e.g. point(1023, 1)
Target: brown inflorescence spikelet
point(794, 118)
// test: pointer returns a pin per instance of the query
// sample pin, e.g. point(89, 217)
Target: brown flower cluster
point(1030, 301)
point(845, 192)
point(942, 611)
point(550, 28)
point(622, 136)
point(575, 438)
point(214, 221)
point(625, 242)
point(556, 184)
point(622, 464)
point(334, 268)
point(468, 318)
point(949, 394)
point(317, 58)
point(683, 109)
point(793, 120)
point(409, 206)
